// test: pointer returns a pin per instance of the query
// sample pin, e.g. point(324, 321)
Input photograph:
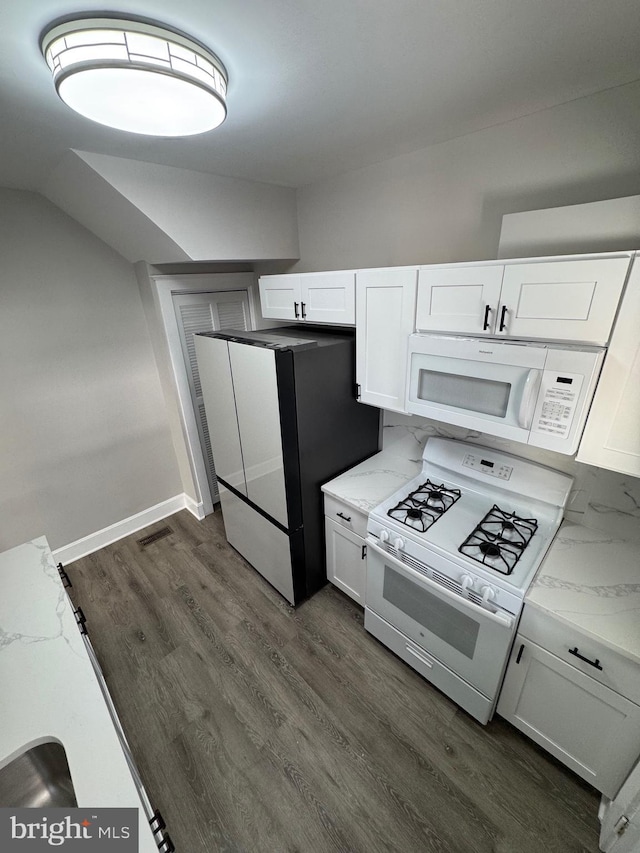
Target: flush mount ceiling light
point(136, 76)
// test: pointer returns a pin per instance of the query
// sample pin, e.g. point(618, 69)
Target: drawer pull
point(345, 517)
point(521, 649)
point(422, 658)
point(595, 662)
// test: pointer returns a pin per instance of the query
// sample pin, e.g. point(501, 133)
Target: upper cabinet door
point(561, 300)
point(280, 297)
point(458, 299)
point(328, 297)
point(315, 297)
point(385, 312)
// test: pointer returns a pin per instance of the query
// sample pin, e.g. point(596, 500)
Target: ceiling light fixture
point(136, 76)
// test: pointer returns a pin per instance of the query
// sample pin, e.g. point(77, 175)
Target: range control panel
point(487, 466)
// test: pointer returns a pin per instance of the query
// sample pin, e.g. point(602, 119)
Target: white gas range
point(450, 557)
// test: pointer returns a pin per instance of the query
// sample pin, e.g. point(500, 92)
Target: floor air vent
point(153, 537)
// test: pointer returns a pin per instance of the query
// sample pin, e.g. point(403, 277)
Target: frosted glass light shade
point(136, 77)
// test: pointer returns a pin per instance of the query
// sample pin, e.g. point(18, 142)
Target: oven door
point(487, 386)
point(472, 642)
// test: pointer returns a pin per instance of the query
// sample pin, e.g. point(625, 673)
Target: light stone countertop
point(369, 483)
point(49, 688)
point(591, 581)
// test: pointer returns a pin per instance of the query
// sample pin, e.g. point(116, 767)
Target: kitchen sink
point(39, 778)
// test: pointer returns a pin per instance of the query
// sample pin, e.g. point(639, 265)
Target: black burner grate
point(424, 506)
point(499, 540)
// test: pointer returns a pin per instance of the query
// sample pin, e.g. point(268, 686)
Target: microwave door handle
point(499, 617)
point(528, 399)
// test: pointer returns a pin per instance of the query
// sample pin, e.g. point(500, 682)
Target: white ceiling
point(318, 88)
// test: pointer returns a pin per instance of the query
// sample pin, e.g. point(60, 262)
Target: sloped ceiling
point(162, 214)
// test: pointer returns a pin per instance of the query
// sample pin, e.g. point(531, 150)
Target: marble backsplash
point(602, 499)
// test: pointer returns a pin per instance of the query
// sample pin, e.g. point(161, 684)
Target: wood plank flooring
point(257, 727)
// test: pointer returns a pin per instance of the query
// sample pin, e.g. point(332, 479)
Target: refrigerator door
point(256, 396)
point(259, 541)
point(219, 401)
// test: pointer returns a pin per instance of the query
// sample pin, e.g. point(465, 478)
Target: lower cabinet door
point(585, 725)
point(346, 560)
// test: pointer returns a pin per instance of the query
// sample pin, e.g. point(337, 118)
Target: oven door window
point(456, 629)
point(485, 396)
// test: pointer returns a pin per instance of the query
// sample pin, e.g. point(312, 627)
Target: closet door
point(207, 312)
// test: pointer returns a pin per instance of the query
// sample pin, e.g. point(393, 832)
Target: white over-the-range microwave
point(537, 393)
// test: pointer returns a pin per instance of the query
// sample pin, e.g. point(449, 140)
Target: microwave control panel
point(557, 401)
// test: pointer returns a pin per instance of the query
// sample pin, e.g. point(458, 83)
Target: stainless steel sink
point(38, 778)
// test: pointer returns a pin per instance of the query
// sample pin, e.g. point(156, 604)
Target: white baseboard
point(101, 538)
point(196, 509)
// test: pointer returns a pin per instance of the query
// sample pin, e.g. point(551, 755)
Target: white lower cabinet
point(345, 529)
point(586, 725)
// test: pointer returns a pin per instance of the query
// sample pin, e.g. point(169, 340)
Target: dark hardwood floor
point(257, 727)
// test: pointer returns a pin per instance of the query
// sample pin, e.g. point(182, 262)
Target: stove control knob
point(487, 593)
point(384, 535)
point(399, 544)
point(466, 582)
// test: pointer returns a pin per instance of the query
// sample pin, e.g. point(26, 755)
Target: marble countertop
point(369, 483)
point(591, 581)
point(49, 688)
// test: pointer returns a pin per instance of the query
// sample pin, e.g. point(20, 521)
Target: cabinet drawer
point(618, 672)
point(353, 519)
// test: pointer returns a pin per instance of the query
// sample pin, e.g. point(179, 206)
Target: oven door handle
point(499, 617)
point(528, 399)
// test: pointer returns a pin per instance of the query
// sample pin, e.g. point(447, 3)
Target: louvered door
point(207, 312)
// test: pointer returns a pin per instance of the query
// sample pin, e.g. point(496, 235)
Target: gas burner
point(499, 540)
point(436, 497)
point(424, 506)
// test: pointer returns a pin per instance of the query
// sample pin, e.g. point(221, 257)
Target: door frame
point(164, 286)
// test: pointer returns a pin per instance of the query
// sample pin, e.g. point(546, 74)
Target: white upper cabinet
point(278, 296)
point(458, 299)
point(565, 300)
point(319, 297)
point(385, 312)
point(562, 300)
point(611, 438)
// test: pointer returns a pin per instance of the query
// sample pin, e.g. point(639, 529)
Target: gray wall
point(84, 438)
point(445, 203)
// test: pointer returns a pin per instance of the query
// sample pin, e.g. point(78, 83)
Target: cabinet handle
point(503, 319)
point(357, 392)
point(81, 620)
point(577, 654)
point(64, 577)
point(295, 309)
point(364, 552)
point(520, 650)
point(346, 517)
point(487, 312)
point(304, 313)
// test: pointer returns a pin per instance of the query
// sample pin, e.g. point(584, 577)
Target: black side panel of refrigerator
point(334, 433)
point(289, 430)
